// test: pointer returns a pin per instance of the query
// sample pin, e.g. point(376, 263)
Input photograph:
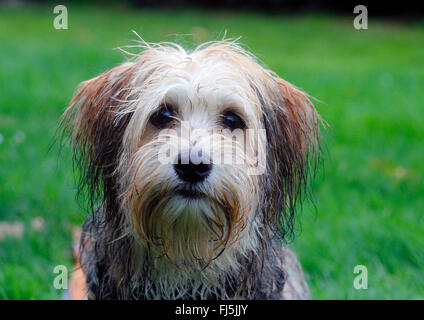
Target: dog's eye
point(163, 117)
point(232, 121)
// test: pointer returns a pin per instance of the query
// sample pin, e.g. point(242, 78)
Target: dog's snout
point(191, 172)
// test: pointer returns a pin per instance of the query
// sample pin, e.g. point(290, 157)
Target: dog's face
point(197, 153)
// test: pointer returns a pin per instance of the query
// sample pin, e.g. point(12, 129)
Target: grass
point(369, 193)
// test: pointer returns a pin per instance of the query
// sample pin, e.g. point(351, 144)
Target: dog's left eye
point(163, 117)
point(232, 121)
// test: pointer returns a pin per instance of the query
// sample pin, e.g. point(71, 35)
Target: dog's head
point(194, 153)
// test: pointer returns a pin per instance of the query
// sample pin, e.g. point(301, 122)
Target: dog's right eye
point(163, 117)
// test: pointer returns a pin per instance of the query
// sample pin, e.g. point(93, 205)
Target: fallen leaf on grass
point(11, 229)
point(16, 229)
point(37, 223)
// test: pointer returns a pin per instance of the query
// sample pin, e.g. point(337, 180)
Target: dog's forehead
point(208, 81)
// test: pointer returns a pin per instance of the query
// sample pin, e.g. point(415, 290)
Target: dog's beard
point(190, 226)
point(190, 232)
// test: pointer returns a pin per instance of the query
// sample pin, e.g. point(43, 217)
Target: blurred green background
point(369, 192)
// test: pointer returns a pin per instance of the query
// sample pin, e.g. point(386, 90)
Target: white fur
point(202, 86)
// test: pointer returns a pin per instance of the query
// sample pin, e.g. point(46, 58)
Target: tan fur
point(194, 244)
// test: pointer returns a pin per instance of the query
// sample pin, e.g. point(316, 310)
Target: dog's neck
point(244, 270)
point(219, 278)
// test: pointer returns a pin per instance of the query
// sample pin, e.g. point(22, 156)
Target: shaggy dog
point(194, 162)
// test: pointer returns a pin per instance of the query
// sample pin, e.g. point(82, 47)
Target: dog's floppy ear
point(96, 128)
point(94, 105)
point(292, 126)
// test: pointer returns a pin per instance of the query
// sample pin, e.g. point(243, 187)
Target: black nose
point(191, 172)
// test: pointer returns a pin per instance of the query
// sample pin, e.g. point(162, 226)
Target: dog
point(194, 163)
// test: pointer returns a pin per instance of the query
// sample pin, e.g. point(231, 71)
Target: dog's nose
point(191, 172)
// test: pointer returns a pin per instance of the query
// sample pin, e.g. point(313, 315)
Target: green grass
point(369, 194)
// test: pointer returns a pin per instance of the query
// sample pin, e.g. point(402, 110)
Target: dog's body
point(187, 210)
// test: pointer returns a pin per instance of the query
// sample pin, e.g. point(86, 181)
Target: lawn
point(369, 191)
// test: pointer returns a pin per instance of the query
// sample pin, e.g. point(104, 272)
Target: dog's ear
point(292, 126)
point(94, 124)
point(94, 106)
